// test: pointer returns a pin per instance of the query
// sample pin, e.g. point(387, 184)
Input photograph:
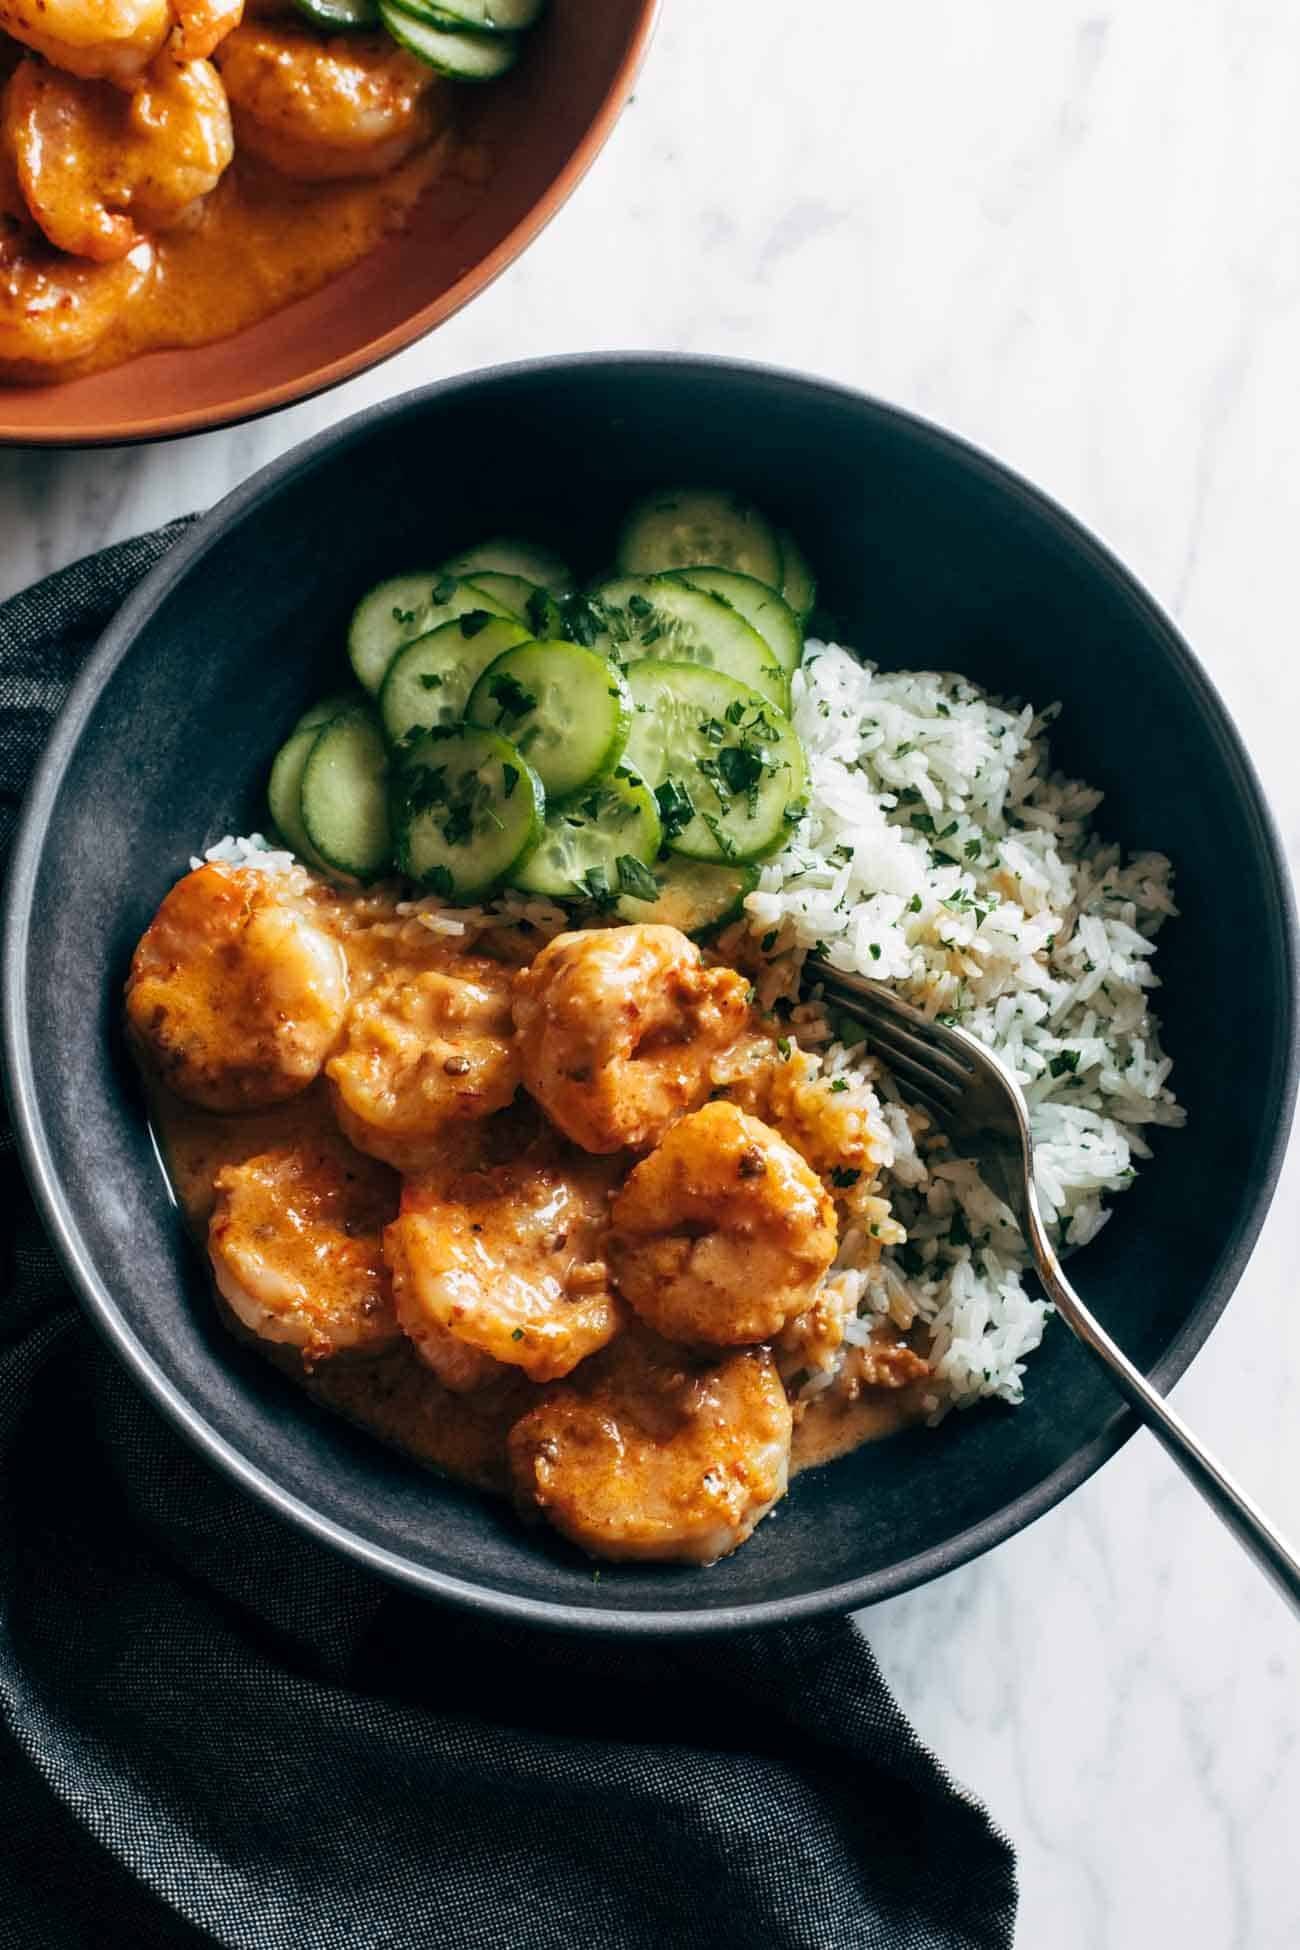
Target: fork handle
point(1243, 1517)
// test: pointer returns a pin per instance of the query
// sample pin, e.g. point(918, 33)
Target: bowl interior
point(931, 556)
point(540, 127)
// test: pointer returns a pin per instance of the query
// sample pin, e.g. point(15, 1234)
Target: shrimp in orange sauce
point(723, 1234)
point(99, 168)
point(316, 110)
point(498, 1258)
point(424, 1049)
point(295, 1241)
point(236, 992)
point(115, 40)
point(55, 309)
point(652, 1452)
point(618, 1029)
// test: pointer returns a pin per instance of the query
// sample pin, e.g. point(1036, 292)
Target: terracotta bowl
point(545, 124)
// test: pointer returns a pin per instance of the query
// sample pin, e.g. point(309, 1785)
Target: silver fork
point(978, 1102)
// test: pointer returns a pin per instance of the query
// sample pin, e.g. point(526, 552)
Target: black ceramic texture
point(932, 556)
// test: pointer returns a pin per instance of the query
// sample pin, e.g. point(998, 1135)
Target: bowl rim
point(140, 429)
point(77, 1262)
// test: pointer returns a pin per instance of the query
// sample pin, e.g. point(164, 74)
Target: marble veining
point(1072, 233)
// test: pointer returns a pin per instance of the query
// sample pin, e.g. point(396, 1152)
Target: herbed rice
point(940, 852)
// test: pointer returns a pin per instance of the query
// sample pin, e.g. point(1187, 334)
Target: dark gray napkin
point(216, 1732)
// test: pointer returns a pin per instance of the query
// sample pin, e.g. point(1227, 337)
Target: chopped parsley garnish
point(537, 613)
point(769, 941)
point(509, 779)
point(914, 905)
point(594, 885)
point(1064, 1063)
point(403, 616)
point(473, 621)
point(783, 1048)
point(839, 1085)
point(581, 619)
point(430, 680)
point(901, 751)
point(676, 807)
point(922, 822)
point(843, 1176)
point(510, 697)
point(640, 606)
point(444, 589)
point(972, 849)
point(873, 949)
point(518, 1334)
point(635, 877)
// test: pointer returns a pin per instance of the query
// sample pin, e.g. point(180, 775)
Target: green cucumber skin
point(369, 854)
point(284, 791)
point(397, 700)
point(504, 555)
point(459, 53)
point(489, 16)
point(798, 583)
point(596, 673)
point(375, 637)
point(340, 16)
point(759, 604)
point(709, 633)
point(677, 528)
point(468, 885)
point(679, 905)
point(708, 694)
point(540, 875)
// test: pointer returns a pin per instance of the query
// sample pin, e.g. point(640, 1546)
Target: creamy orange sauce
point(257, 243)
point(393, 1394)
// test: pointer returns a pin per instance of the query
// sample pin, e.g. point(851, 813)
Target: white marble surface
point(1072, 233)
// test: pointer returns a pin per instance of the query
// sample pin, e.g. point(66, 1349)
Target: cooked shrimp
point(235, 990)
point(423, 1050)
point(653, 1452)
point(295, 1241)
point(54, 310)
point(502, 1262)
point(99, 167)
point(722, 1234)
point(618, 1028)
point(353, 106)
point(115, 40)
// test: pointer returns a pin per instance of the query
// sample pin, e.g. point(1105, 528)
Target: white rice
point(940, 852)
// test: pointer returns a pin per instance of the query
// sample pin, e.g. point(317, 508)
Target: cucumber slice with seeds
point(512, 592)
point(467, 809)
point(506, 556)
point(798, 583)
point(566, 708)
point(662, 617)
point(693, 896)
point(398, 610)
point(345, 795)
point(463, 55)
point(491, 16)
point(328, 708)
point(284, 791)
point(760, 606)
point(429, 681)
point(598, 844)
point(680, 527)
point(727, 767)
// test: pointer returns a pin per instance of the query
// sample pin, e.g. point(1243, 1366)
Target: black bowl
point(932, 556)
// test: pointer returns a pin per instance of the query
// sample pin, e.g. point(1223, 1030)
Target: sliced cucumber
point(566, 708)
point(345, 795)
point(680, 527)
point(760, 606)
point(660, 616)
point(512, 558)
point(340, 16)
point(491, 16)
point(513, 592)
point(284, 791)
point(693, 896)
point(598, 844)
point(328, 708)
point(404, 607)
point(467, 810)
point(429, 681)
point(798, 583)
point(727, 767)
point(464, 55)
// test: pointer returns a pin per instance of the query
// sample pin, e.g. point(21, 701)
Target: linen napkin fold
point(213, 1731)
